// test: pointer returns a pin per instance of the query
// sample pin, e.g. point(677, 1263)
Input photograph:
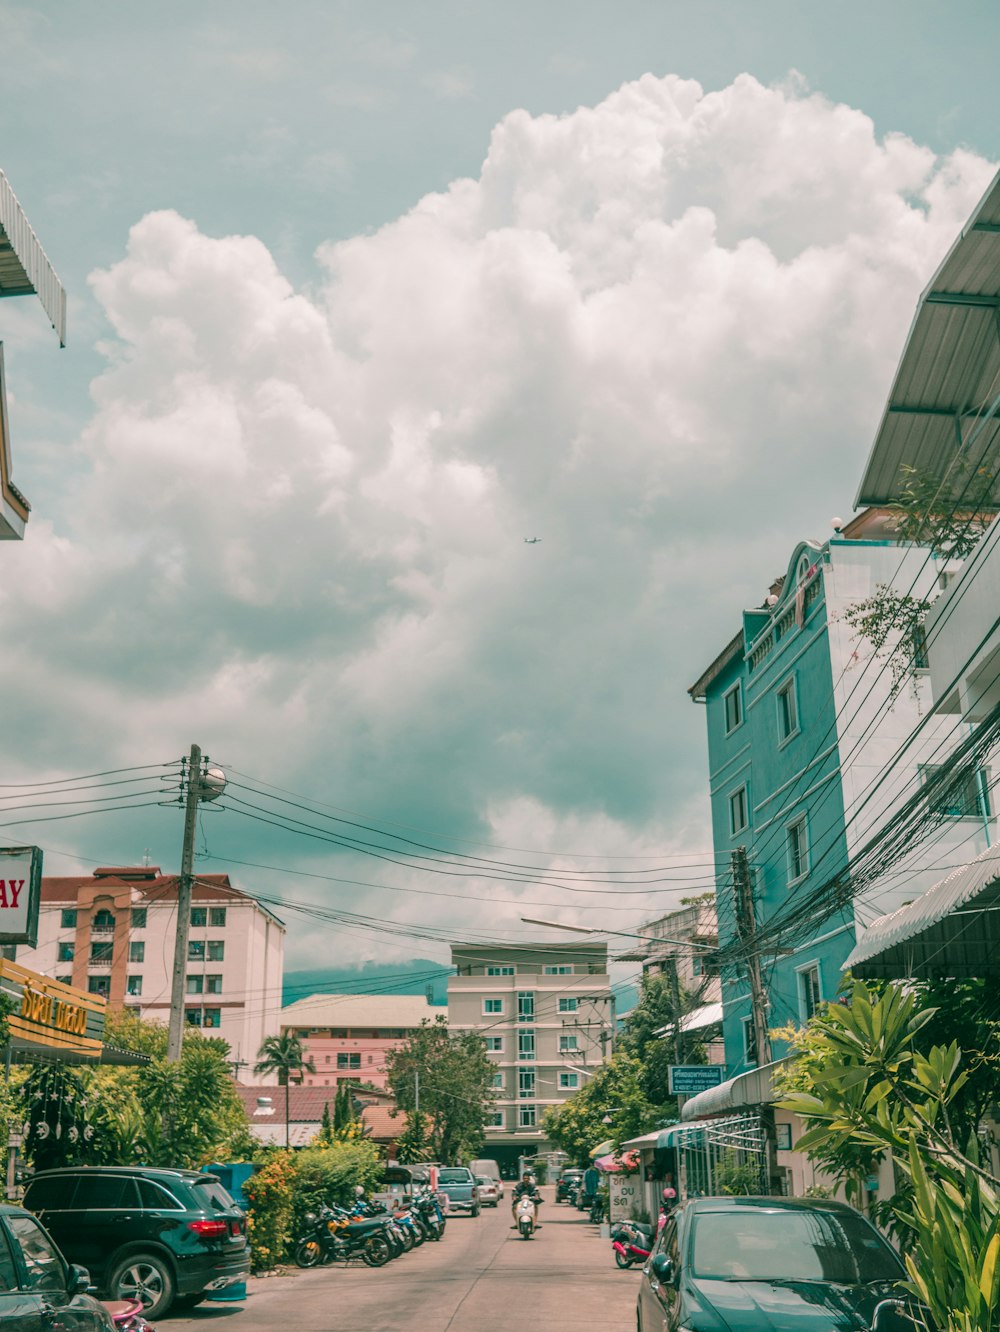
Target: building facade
point(112, 934)
point(347, 1036)
point(810, 753)
point(546, 1013)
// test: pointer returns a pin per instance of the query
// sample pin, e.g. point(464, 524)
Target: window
point(495, 1044)
point(492, 1006)
point(213, 1017)
point(43, 1264)
point(199, 917)
point(499, 1082)
point(964, 797)
point(68, 919)
point(104, 1192)
point(102, 952)
point(788, 712)
point(65, 980)
point(526, 1007)
point(526, 1116)
point(103, 920)
point(749, 1042)
point(66, 951)
point(496, 1120)
point(525, 1045)
point(216, 950)
point(348, 1060)
point(133, 985)
point(738, 815)
point(195, 984)
point(217, 917)
point(500, 971)
point(733, 700)
point(213, 984)
point(810, 995)
point(569, 1081)
point(193, 1017)
point(137, 951)
point(696, 965)
point(99, 985)
point(567, 1043)
point(797, 848)
point(526, 1082)
point(557, 971)
point(921, 661)
point(196, 950)
point(568, 1005)
point(138, 918)
point(8, 1272)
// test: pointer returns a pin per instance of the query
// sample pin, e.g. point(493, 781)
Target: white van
point(488, 1170)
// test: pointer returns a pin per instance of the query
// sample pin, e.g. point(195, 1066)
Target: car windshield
point(763, 1244)
point(454, 1177)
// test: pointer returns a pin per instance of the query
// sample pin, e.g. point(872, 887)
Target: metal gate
point(723, 1156)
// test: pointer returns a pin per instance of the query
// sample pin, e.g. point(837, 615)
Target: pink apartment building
point(347, 1036)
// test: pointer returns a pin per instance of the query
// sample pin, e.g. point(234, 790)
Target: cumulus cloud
point(655, 333)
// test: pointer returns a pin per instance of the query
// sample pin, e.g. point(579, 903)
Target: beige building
point(112, 934)
point(546, 1013)
point(347, 1036)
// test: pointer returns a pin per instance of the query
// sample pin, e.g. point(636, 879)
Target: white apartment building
point(113, 932)
point(546, 1013)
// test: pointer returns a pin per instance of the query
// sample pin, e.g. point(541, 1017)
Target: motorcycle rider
point(525, 1188)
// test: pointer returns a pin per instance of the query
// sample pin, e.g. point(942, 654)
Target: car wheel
point(145, 1277)
point(475, 1211)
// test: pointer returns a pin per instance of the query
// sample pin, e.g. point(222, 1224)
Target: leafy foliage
point(615, 1094)
point(284, 1056)
point(331, 1174)
point(455, 1079)
point(928, 517)
point(414, 1142)
point(269, 1195)
point(891, 621)
point(869, 1091)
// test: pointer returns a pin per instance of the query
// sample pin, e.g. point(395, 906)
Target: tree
point(283, 1055)
point(869, 1091)
point(662, 1005)
point(612, 1105)
point(414, 1142)
point(452, 1076)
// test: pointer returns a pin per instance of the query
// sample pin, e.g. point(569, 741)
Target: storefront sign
point(626, 1199)
point(690, 1079)
point(46, 1013)
point(20, 888)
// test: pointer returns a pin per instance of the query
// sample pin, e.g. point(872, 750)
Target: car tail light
point(236, 1229)
point(209, 1229)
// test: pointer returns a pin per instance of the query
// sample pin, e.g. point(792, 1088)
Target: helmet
point(358, 1191)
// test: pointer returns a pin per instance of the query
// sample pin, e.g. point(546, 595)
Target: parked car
point(489, 1191)
point(750, 1263)
point(567, 1184)
point(490, 1169)
point(39, 1290)
point(459, 1186)
point(162, 1236)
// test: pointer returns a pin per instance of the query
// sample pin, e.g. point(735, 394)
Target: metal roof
point(755, 1087)
point(953, 930)
point(24, 266)
point(946, 393)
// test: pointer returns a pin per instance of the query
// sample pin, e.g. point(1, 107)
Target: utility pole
point(746, 929)
point(675, 999)
point(416, 1091)
point(175, 1035)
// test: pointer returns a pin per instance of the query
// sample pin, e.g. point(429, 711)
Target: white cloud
point(656, 333)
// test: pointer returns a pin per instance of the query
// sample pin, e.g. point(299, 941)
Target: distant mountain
point(421, 976)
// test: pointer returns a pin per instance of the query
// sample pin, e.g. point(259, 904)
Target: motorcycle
point(333, 1234)
point(127, 1315)
point(631, 1242)
point(428, 1214)
point(525, 1213)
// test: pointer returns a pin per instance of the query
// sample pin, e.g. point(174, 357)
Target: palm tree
point(283, 1055)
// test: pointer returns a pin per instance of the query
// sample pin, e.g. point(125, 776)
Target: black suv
point(162, 1236)
point(39, 1291)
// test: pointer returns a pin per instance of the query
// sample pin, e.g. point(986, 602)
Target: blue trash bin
point(232, 1178)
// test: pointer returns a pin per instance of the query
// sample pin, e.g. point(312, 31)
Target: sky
point(360, 297)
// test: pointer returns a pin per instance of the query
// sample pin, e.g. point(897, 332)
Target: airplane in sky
point(532, 541)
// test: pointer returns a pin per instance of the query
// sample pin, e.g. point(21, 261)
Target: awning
point(24, 266)
point(709, 1015)
point(755, 1087)
point(612, 1164)
point(952, 930)
point(943, 399)
point(646, 1140)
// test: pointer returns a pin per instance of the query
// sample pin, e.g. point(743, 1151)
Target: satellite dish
point(213, 783)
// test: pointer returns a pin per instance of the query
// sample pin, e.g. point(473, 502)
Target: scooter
point(631, 1242)
point(127, 1315)
point(524, 1217)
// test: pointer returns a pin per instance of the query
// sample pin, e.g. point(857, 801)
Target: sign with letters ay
point(20, 889)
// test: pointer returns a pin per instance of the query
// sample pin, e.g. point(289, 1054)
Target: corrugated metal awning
point(755, 1087)
point(953, 930)
point(24, 266)
point(944, 397)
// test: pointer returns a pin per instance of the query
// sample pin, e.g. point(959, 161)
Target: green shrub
point(330, 1175)
point(269, 1193)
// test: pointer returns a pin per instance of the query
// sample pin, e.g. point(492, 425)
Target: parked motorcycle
point(525, 1213)
point(127, 1315)
point(632, 1242)
point(428, 1213)
point(331, 1234)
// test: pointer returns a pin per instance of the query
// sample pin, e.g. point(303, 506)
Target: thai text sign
point(49, 1013)
point(690, 1079)
point(625, 1199)
point(20, 888)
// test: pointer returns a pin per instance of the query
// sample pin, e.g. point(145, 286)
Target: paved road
point(480, 1278)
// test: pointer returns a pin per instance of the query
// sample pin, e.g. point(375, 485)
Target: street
point(480, 1278)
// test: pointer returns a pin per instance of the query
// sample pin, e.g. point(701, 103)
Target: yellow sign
point(51, 1014)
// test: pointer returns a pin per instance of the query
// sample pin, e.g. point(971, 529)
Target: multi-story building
point(682, 945)
point(347, 1036)
point(112, 933)
point(546, 1013)
point(811, 750)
